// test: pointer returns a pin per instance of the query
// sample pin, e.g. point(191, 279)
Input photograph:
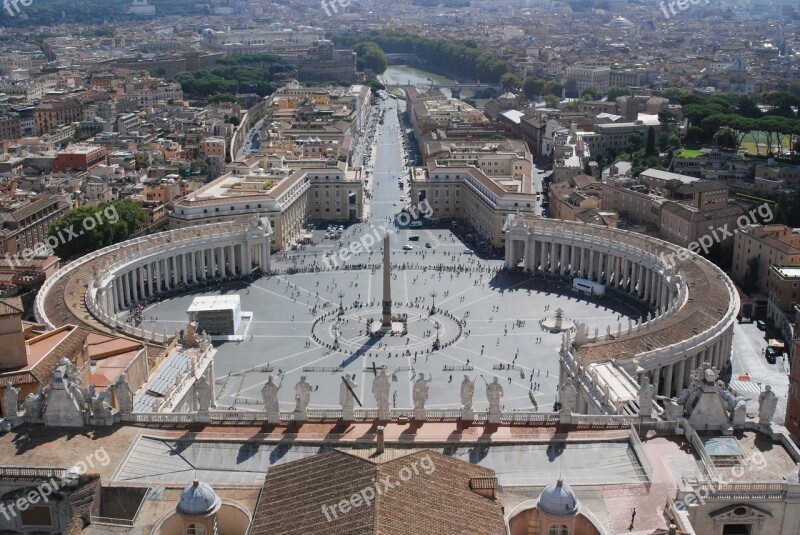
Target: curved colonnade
point(693, 303)
point(91, 291)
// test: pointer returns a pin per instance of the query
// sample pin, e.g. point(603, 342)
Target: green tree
point(616, 92)
point(87, 229)
point(650, 143)
point(510, 81)
point(551, 101)
point(635, 143)
point(590, 93)
point(750, 282)
point(234, 120)
point(370, 57)
point(551, 87)
point(533, 87)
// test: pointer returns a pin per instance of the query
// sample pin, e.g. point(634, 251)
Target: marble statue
point(302, 395)
point(124, 394)
point(347, 396)
point(203, 391)
point(380, 389)
point(34, 405)
point(420, 393)
point(11, 401)
point(672, 409)
point(567, 396)
point(467, 391)
point(646, 393)
point(269, 392)
point(493, 393)
point(767, 403)
point(101, 405)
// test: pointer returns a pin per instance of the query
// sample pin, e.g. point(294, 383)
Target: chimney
point(381, 443)
point(484, 486)
point(672, 529)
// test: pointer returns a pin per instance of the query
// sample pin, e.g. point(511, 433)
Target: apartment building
point(79, 157)
point(25, 222)
point(57, 113)
point(579, 78)
point(772, 245)
point(678, 212)
point(612, 136)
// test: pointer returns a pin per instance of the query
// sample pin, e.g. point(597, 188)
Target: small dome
point(197, 500)
point(558, 500)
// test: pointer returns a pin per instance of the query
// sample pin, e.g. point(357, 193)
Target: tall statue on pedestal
point(467, 391)
point(493, 394)
point(767, 403)
point(567, 396)
point(380, 389)
point(347, 397)
point(420, 395)
point(269, 392)
point(203, 391)
point(124, 394)
point(646, 393)
point(11, 402)
point(302, 398)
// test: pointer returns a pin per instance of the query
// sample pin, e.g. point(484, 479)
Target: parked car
point(408, 247)
point(772, 355)
point(427, 245)
point(761, 325)
point(413, 237)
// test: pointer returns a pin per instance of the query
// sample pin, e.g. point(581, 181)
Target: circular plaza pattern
point(489, 312)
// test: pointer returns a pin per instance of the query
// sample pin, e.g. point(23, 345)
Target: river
point(405, 74)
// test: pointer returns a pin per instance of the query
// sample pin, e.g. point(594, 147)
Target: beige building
point(576, 195)
point(681, 213)
point(291, 193)
point(772, 245)
point(478, 192)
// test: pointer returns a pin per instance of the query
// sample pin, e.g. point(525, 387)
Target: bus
point(589, 287)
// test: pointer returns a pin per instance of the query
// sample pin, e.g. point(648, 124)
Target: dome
point(198, 499)
point(558, 500)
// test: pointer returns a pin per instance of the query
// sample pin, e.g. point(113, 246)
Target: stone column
point(140, 278)
point(563, 267)
point(680, 376)
point(222, 261)
point(572, 254)
point(543, 256)
point(264, 257)
point(248, 260)
point(233, 260)
point(203, 273)
point(668, 380)
point(126, 291)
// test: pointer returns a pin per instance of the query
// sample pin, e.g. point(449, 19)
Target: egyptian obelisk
point(387, 283)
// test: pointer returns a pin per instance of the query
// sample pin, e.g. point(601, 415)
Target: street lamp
point(341, 307)
point(433, 303)
point(436, 342)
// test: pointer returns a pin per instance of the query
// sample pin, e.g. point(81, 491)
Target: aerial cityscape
point(354, 267)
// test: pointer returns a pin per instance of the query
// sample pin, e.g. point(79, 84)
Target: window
point(558, 530)
point(195, 529)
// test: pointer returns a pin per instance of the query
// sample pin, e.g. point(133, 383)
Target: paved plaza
point(488, 319)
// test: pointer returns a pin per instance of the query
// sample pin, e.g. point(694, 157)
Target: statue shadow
point(31, 436)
